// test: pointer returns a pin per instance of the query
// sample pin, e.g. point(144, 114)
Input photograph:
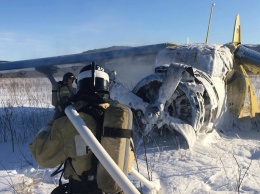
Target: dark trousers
point(77, 187)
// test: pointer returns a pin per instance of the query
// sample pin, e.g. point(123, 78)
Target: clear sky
point(31, 29)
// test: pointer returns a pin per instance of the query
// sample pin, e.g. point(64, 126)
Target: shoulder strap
point(58, 170)
point(97, 112)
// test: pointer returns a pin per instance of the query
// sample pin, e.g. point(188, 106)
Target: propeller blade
point(183, 128)
point(170, 82)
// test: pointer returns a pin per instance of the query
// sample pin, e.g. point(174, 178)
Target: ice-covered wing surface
point(215, 60)
point(86, 57)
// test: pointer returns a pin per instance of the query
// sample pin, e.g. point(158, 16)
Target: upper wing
point(100, 56)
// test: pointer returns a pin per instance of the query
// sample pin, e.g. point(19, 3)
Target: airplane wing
point(104, 56)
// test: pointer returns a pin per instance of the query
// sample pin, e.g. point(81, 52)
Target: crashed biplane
point(182, 88)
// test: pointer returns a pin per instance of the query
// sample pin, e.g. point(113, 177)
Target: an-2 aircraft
point(181, 93)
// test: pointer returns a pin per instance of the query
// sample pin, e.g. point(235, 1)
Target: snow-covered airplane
point(182, 88)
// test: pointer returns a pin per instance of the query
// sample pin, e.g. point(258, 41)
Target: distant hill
point(106, 49)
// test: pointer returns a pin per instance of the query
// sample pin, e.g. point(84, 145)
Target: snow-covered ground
point(225, 161)
point(229, 162)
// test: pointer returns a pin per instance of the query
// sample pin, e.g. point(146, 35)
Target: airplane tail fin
point(237, 32)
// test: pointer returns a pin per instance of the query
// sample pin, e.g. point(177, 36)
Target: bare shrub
point(26, 104)
point(24, 183)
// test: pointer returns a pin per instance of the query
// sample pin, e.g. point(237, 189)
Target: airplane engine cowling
point(195, 101)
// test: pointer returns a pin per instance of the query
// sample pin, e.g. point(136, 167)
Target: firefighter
point(62, 144)
point(61, 92)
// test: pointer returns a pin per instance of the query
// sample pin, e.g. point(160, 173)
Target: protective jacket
point(60, 142)
point(55, 144)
